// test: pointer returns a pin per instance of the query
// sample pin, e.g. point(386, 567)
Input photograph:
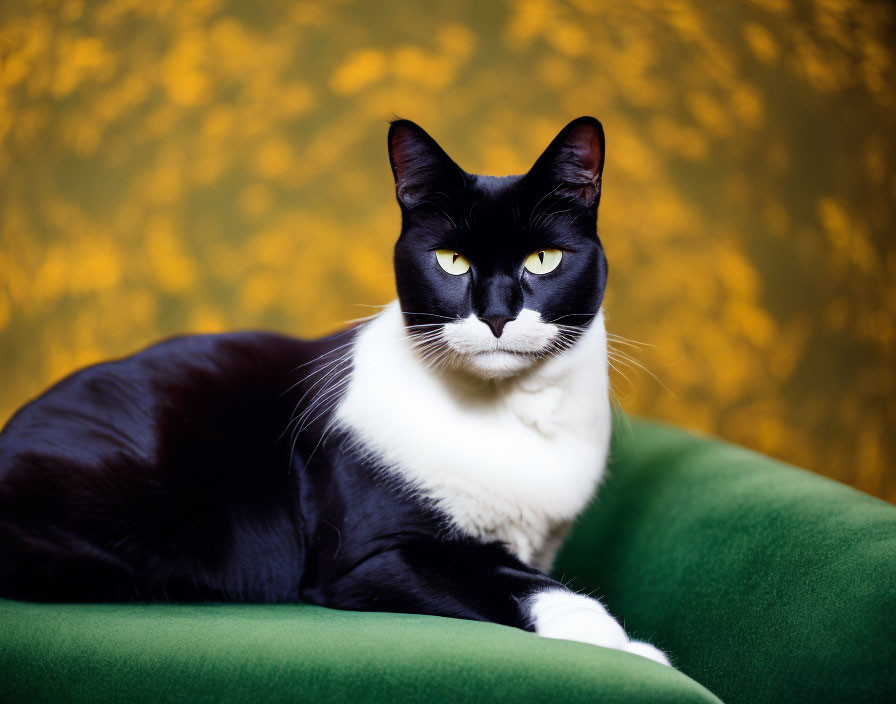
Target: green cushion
point(765, 583)
point(241, 653)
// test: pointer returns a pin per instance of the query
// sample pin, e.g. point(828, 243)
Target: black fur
point(496, 223)
point(198, 469)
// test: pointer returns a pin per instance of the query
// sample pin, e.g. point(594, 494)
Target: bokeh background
point(178, 165)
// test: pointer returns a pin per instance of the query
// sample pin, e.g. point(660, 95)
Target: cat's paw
point(556, 613)
point(646, 650)
point(560, 614)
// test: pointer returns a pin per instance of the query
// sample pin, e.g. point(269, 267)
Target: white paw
point(646, 650)
point(560, 614)
point(556, 613)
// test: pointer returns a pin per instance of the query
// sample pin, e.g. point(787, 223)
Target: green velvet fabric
point(763, 582)
point(242, 653)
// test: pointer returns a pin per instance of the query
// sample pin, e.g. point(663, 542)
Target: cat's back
point(198, 386)
point(164, 474)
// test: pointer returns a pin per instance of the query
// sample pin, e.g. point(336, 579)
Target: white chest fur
point(513, 460)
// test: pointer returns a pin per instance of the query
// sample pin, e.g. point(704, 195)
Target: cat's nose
point(496, 323)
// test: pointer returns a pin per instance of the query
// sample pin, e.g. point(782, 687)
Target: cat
point(429, 460)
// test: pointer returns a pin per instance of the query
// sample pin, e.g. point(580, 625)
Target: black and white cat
point(429, 460)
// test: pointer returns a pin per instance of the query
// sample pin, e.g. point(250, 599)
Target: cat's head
point(497, 273)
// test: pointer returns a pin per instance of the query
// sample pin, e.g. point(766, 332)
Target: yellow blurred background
point(176, 166)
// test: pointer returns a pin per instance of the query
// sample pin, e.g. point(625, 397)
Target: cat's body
point(430, 460)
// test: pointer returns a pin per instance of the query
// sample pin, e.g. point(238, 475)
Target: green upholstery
point(237, 653)
point(763, 582)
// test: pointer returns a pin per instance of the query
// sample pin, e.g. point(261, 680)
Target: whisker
point(629, 341)
point(332, 393)
point(312, 361)
point(339, 367)
point(372, 305)
point(432, 315)
point(619, 412)
point(622, 374)
point(325, 366)
point(364, 319)
point(620, 356)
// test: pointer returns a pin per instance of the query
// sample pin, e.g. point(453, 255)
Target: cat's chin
point(496, 364)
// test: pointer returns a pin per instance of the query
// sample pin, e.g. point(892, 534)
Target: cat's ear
point(421, 167)
point(573, 163)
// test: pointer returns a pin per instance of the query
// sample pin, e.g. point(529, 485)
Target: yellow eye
point(543, 261)
point(452, 262)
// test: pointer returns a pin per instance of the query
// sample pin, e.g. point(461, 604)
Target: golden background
point(176, 166)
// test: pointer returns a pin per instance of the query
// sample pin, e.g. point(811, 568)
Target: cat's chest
point(517, 473)
point(515, 466)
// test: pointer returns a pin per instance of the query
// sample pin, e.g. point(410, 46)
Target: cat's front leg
point(559, 613)
point(477, 581)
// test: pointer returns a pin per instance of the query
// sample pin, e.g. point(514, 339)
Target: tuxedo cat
point(429, 460)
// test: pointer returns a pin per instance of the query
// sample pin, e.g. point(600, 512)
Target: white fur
point(479, 352)
point(646, 650)
point(509, 443)
point(556, 613)
point(512, 459)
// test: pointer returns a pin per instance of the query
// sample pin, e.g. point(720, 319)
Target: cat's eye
point(543, 261)
point(453, 262)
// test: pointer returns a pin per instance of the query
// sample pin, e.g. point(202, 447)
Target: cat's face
point(495, 274)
